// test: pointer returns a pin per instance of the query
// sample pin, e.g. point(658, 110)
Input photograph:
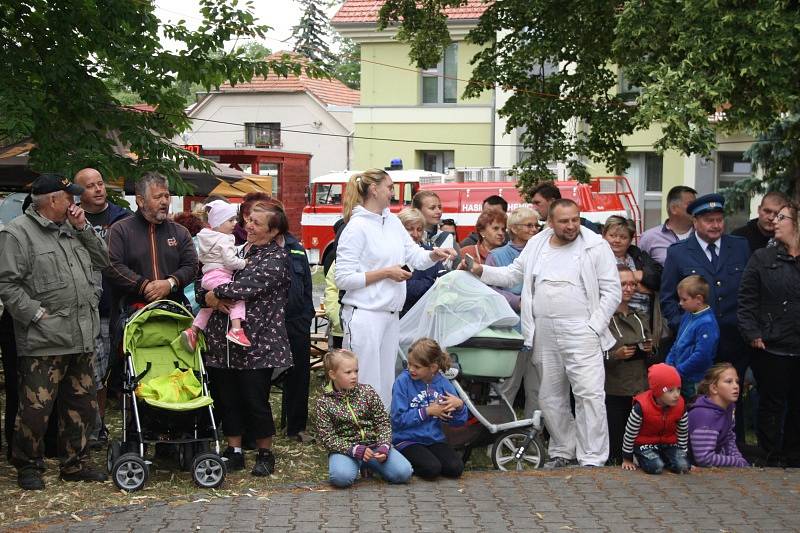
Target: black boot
point(265, 463)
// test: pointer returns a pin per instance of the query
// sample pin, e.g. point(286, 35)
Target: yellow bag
point(177, 387)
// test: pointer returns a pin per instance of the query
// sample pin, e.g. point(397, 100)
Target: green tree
point(348, 62)
point(68, 63)
point(312, 33)
point(736, 61)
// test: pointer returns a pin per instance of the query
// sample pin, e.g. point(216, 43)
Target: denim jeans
point(652, 458)
point(343, 469)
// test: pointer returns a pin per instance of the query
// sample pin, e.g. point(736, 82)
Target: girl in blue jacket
point(423, 399)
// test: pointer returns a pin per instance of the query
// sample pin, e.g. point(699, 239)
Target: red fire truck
point(461, 201)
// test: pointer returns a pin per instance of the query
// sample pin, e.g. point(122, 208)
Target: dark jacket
point(755, 238)
point(651, 269)
point(301, 300)
point(140, 252)
point(769, 300)
point(115, 214)
point(686, 258)
point(264, 286)
point(627, 377)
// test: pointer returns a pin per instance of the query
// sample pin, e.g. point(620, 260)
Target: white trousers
point(567, 353)
point(525, 372)
point(374, 336)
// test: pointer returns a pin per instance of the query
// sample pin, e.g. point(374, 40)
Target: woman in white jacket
point(373, 261)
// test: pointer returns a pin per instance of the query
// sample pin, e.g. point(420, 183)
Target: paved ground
point(602, 499)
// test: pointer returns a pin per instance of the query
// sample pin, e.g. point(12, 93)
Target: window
point(439, 84)
point(329, 194)
point(732, 168)
point(263, 134)
point(653, 171)
point(438, 161)
point(627, 91)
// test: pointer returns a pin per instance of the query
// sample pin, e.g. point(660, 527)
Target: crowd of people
point(633, 352)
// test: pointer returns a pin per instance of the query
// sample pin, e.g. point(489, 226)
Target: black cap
point(708, 203)
point(47, 183)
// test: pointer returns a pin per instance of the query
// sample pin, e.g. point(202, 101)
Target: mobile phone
point(405, 267)
point(469, 261)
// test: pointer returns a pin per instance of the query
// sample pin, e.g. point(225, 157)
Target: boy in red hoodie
point(658, 427)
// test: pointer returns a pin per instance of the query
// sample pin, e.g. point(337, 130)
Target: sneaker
point(189, 339)
point(237, 336)
point(557, 462)
point(303, 437)
point(86, 473)
point(265, 463)
point(235, 459)
point(30, 479)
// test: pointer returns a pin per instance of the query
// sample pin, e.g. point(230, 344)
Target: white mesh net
point(458, 306)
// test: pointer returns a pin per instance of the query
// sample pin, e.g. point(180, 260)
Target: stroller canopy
point(458, 306)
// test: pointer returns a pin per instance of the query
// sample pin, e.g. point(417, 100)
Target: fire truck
point(462, 201)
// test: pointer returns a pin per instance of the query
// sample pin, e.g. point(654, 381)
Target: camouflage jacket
point(346, 419)
point(47, 266)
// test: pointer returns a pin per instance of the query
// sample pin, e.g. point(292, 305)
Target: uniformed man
point(720, 259)
point(46, 284)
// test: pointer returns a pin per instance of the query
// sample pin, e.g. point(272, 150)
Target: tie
point(712, 249)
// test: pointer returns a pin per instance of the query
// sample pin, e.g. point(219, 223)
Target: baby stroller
point(475, 323)
point(155, 360)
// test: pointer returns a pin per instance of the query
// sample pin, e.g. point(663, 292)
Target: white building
point(296, 113)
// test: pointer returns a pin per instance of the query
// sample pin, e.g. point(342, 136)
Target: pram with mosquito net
point(475, 324)
point(165, 401)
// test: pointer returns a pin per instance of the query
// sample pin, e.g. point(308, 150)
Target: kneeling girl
point(354, 427)
point(422, 400)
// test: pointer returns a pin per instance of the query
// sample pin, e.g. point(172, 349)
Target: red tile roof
point(332, 92)
point(353, 11)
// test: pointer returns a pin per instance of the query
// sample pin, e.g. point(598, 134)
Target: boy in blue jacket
point(698, 335)
point(423, 399)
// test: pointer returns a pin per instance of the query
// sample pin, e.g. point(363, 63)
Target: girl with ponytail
point(372, 264)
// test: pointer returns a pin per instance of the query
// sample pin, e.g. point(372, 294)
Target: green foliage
point(69, 65)
point(348, 63)
point(311, 33)
point(691, 59)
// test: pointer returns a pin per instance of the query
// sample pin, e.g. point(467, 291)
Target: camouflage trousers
point(41, 380)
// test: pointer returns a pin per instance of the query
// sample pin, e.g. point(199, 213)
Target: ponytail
point(357, 189)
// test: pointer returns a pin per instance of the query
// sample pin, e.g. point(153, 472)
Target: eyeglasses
point(781, 217)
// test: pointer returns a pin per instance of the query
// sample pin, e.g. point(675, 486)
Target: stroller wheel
point(506, 446)
point(113, 453)
point(208, 470)
point(130, 472)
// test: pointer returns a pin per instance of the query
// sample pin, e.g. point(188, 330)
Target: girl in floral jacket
point(353, 425)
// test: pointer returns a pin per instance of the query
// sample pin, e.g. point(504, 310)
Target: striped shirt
point(634, 425)
point(704, 449)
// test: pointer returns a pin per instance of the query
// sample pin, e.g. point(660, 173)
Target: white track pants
point(374, 336)
point(567, 352)
point(524, 372)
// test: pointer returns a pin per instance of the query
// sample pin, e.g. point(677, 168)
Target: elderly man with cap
point(46, 283)
point(720, 259)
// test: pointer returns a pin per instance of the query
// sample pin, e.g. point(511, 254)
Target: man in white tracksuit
point(570, 291)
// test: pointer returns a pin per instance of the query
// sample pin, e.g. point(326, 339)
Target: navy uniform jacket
point(686, 258)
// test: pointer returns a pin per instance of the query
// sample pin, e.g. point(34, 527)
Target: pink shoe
point(237, 336)
point(189, 338)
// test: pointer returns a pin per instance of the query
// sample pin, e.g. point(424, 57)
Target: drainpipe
point(493, 136)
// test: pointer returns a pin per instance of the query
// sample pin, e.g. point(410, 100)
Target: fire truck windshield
point(328, 193)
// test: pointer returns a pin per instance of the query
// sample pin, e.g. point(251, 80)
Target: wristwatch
point(173, 285)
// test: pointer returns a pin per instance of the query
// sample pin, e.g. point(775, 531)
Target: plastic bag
point(179, 386)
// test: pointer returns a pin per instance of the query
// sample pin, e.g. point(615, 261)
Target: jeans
point(652, 458)
point(343, 469)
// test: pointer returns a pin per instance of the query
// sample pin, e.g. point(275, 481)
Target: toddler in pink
point(217, 252)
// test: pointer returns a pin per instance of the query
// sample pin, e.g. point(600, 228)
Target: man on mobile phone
point(46, 268)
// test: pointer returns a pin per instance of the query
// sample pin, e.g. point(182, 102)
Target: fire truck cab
point(461, 201)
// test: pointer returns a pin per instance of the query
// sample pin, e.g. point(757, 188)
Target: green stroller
point(165, 402)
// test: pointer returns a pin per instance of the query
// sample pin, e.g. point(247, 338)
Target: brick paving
point(587, 500)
